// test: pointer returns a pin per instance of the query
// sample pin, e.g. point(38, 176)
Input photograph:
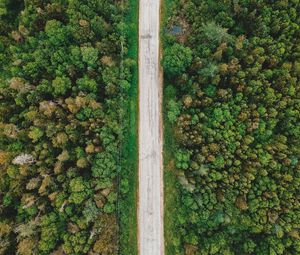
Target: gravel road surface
point(150, 209)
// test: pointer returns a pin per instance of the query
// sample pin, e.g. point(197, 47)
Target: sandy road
point(150, 209)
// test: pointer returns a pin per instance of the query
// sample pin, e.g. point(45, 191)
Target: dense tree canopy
point(63, 97)
point(236, 124)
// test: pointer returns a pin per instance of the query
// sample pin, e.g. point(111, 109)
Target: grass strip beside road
point(128, 242)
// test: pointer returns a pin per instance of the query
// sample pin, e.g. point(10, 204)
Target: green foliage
point(87, 85)
point(182, 159)
point(174, 110)
point(50, 231)
point(80, 190)
point(91, 212)
point(237, 130)
point(89, 55)
point(104, 166)
point(214, 33)
point(176, 59)
point(61, 85)
point(63, 123)
point(35, 133)
point(76, 243)
point(3, 10)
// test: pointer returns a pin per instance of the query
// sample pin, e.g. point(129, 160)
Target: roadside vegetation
point(232, 73)
point(171, 188)
point(128, 210)
point(68, 84)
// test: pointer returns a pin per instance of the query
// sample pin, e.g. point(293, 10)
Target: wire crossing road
point(150, 209)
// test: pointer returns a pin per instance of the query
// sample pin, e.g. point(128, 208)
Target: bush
point(176, 59)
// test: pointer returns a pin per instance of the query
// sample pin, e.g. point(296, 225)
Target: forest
point(232, 90)
point(68, 127)
point(65, 81)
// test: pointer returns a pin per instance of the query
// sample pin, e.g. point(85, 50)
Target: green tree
point(61, 85)
point(176, 59)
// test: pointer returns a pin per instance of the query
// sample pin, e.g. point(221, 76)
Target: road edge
point(161, 118)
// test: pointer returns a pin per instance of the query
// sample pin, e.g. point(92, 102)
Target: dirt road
point(150, 209)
